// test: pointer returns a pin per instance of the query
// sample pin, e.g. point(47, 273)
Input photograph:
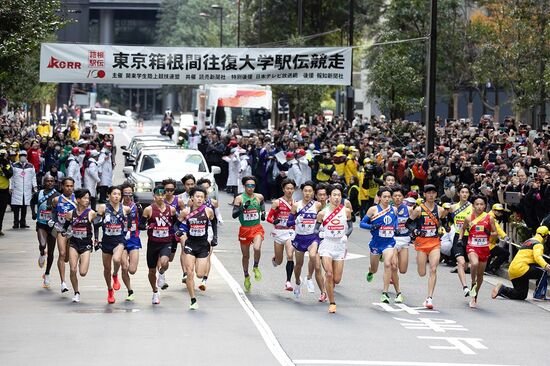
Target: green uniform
point(250, 216)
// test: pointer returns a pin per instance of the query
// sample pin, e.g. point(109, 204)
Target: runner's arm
point(463, 228)
point(34, 202)
point(349, 222)
point(214, 223)
point(144, 218)
point(271, 216)
point(237, 207)
point(365, 223)
point(262, 207)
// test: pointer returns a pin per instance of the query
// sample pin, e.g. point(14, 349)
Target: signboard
point(140, 65)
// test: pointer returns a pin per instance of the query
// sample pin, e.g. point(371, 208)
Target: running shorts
point(483, 253)
point(198, 249)
point(155, 251)
point(426, 245)
point(80, 246)
point(44, 227)
point(132, 244)
point(248, 233)
point(402, 242)
point(458, 250)
point(281, 236)
point(303, 242)
point(333, 249)
point(109, 247)
point(378, 248)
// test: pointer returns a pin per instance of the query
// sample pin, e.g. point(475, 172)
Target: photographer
point(6, 173)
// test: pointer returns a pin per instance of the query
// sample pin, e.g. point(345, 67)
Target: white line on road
point(387, 363)
point(264, 329)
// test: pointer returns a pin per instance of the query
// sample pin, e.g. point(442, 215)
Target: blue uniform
point(134, 242)
point(64, 205)
point(402, 217)
point(113, 229)
point(383, 234)
point(44, 213)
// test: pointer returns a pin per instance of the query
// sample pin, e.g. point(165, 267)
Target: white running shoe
point(202, 286)
point(161, 281)
point(466, 291)
point(64, 287)
point(298, 290)
point(41, 261)
point(156, 298)
point(288, 286)
point(76, 297)
point(428, 304)
point(46, 281)
point(310, 286)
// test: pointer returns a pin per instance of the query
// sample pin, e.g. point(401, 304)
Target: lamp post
point(220, 8)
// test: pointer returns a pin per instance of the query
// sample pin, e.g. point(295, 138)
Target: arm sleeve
point(365, 223)
point(236, 211)
point(214, 224)
point(538, 251)
point(291, 220)
point(317, 227)
point(143, 222)
point(411, 225)
point(350, 228)
point(271, 215)
point(34, 202)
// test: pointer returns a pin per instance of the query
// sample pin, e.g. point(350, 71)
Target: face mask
point(23, 159)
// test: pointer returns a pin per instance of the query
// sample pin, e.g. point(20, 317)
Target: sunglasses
point(250, 185)
point(169, 190)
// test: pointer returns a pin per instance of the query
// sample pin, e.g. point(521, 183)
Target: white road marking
point(388, 363)
point(264, 329)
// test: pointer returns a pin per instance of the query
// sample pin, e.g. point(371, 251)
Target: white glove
point(344, 239)
point(127, 236)
point(321, 234)
point(51, 223)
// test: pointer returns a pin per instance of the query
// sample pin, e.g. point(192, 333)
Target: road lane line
point(264, 329)
point(387, 363)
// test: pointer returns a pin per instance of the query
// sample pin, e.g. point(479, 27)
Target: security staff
point(5, 174)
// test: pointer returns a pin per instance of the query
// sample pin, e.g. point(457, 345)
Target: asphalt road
point(268, 326)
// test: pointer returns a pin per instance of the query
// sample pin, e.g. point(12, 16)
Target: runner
point(158, 219)
point(423, 223)
point(481, 227)
point(130, 256)
point(175, 201)
point(402, 240)
point(62, 204)
point(249, 207)
point(459, 212)
point(303, 216)
point(282, 235)
point(321, 198)
point(46, 240)
point(528, 264)
point(116, 223)
point(196, 220)
point(334, 225)
point(381, 220)
point(80, 242)
point(213, 229)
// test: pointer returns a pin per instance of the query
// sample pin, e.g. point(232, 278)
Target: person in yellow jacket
point(325, 168)
point(350, 169)
point(528, 264)
point(368, 187)
point(499, 255)
point(339, 160)
point(44, 129)
point(74, 133)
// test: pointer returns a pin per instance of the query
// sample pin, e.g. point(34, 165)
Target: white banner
point(141, 65)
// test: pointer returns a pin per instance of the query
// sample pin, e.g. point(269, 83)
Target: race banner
point(142, 65)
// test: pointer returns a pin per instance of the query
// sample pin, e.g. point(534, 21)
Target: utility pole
point(431, 79)
point(350, 98)
point(300, 30)
point(542, 69)
point(238, 23)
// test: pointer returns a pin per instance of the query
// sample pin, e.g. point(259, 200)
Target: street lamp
point(220, 8)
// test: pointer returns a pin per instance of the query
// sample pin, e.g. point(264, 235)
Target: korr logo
point(59, 64)
point(96, 74)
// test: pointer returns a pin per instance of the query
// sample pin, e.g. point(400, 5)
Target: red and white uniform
point(281, 233)
point(478, 239)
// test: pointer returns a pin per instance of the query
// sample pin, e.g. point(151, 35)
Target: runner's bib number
point(386, 232)
point(45, 215)
point(251, 215)
point(197, 230)
point(113, 229)
point(479, 242)
point(80, 232)
point(161, 232)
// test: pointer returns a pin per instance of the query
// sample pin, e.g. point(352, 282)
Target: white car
point(106, 117)
point(154, 165)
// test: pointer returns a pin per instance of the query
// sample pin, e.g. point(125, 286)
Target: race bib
point(80, 232)
point(113, 229)
point(134, 226)
point(161, 232)
point(45, 215)
point(386, 232)
point(251, 215)
point(61, 217)
point(430, 231)
point(479, 242)
point(197, 230)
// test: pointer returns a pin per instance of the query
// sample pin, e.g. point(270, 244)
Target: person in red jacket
point(34, 154)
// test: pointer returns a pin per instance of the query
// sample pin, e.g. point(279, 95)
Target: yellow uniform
point(350, 168)
point(44, 130)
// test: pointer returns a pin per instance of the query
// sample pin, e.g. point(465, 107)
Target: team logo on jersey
point(387, 220)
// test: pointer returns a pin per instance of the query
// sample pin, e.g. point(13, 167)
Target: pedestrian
point(22, 186)
point(91, 177)
point(106, 164)
point(6, 172)
point(166, 129)
point(73, 167)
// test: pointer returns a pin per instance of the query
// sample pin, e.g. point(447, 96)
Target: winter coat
point(22, 183)
point(91, 177)
point(244, 170)
point(234, 167)
point(105, 169)
point(73, 171)
point(295, 174)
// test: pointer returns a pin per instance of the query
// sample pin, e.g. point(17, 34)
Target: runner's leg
point(190, 269)
point(329, 277)
point(388, 255)
point(62, 249)
point(298, 267)
point(278, 253)
point(73, 263)
point(107, 267)
point(421, 260)
point(289, 260)
point(434, 257)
